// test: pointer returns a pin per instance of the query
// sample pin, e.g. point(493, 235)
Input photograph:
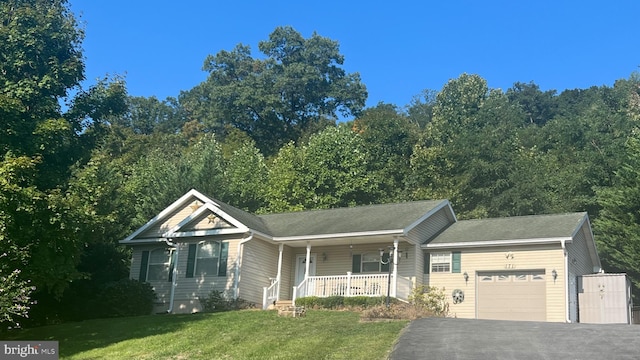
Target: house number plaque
point(509, 265)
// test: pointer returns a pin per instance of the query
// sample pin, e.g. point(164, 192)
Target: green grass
point(247, 334)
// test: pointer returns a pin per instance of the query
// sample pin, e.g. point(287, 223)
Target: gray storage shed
point(604, 299)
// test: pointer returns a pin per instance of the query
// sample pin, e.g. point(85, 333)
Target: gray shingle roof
point(511, 228)
point(346, 220)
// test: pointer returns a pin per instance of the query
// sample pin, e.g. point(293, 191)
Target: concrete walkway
point(446, 338)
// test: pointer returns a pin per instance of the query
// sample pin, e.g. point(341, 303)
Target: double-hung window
point(370, 263)
point(445, 262)
point(157, 265)
point(440, 262)
point(208, 258)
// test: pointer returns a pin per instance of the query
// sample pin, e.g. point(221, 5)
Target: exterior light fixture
point(389, 262)
point(466, 277)
point(554, 273)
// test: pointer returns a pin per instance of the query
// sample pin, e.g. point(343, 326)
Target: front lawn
point(249, 334)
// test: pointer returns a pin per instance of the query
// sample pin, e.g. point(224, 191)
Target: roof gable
point(184, 217)
point(208, 219)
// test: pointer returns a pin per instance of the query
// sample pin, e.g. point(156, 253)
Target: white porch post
point(307, 261)
point(394, 286)
point(280, 248)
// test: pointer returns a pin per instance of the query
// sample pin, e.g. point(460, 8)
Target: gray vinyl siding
point(578, 250)
point(437, 222)
point(418, 264)
point(198, 287)
point(188, 291)
point(287, 281)
point(161, 288)
point(259, 263)
point(580, 263)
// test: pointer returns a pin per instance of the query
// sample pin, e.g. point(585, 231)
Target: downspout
point(174, 274)
point(566, 281)
point(238, 260)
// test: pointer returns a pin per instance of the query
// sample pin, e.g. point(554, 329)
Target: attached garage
point(512, 295)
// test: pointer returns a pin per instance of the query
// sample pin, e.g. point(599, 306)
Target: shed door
point(513, 295)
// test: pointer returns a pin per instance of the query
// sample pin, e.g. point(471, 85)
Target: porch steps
point(286, 308)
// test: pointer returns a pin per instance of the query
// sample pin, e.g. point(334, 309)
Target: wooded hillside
point(283, 131)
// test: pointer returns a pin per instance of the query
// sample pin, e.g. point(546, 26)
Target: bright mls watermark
point(29, 350)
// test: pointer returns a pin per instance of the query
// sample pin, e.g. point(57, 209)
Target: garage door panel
point(514, 295)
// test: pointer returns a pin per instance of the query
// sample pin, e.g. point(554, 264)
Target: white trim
point(496, 243)
point(206, 232)
point(147, 241)
point(174, 206)
point(424, 217)
point(214, 209)
point(336, 235)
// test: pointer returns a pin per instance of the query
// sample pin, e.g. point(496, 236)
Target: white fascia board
point(338, 235)
point(214, 209)
point(198, 233)
point(497, 243)
point(174, 206)
point(144, 241)
point(443, 204)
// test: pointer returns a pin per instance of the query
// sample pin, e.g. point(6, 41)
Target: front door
point(301, 266)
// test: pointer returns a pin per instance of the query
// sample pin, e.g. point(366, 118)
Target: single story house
point(520, 268)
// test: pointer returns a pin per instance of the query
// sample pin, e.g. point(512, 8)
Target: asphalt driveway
point(446, 338)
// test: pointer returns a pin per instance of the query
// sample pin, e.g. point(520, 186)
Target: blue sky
point(399, 48)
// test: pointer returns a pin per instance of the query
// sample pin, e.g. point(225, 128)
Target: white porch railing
point(270, 294)
point(351, 285)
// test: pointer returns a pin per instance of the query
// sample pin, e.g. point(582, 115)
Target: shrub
point(395, 311)
point(332, 302)
point(217, 301)
point(431, 299)
point(309, 302)
point(126, 297)
point(364, 301)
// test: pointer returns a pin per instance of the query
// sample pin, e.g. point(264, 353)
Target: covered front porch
point(349, 269)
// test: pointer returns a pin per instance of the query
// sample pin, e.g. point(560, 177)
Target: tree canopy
point(298, 88)
point(270, 133)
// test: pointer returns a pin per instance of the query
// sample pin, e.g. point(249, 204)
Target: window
point(207, 259)
point(537, 276)
point(440, 262)
point(156, 265)
point(370, 262)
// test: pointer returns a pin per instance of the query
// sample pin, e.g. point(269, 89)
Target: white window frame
point(441, 262)
point(373, 258)
point(166, 272)
point(200, 256)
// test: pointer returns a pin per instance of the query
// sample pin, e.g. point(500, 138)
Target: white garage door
point(513, 295)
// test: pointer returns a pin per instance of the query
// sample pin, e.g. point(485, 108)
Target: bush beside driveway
point(447, 338)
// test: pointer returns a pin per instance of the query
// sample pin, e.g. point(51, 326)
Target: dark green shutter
point(427, 258)
point(455, 262)
point(224, 252)
point(356, 262)
point(385, 259)
point(191, 260)
point(143, 266)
